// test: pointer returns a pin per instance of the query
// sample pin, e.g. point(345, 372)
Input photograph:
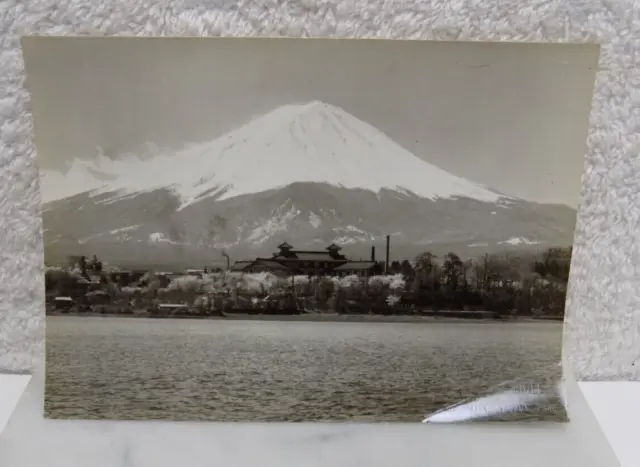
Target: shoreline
point(320, 318)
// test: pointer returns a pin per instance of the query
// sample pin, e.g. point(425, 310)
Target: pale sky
point(511, 116)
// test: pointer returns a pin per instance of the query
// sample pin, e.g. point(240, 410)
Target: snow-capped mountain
point(313, 142)
point(310, 174)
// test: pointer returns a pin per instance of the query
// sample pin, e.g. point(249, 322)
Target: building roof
point(309, 255)
point(240, 265)
point(270, 264)
point(333, 248)
point(314, 256)
point(356, 266)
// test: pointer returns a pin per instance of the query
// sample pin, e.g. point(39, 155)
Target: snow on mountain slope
point(519, 241)
point(312, 142)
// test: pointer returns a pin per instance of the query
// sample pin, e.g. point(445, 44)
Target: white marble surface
point(11, 388)
point(30, 441)
point(616, 405)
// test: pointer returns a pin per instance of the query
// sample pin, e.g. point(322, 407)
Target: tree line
point(506, 283)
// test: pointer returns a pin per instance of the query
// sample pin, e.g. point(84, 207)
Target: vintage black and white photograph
point(320, 230)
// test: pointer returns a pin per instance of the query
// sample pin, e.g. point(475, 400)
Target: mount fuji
point(310, 174)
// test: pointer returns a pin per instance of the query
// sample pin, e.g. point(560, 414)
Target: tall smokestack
point(386, 261)
point(373, 253)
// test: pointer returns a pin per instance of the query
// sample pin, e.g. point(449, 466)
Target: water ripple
point(269, 371)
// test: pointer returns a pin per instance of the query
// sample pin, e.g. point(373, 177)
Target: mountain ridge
point(310, 174)
point(305, 215)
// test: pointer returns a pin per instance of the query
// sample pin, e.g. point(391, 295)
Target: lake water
point(128, 368)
